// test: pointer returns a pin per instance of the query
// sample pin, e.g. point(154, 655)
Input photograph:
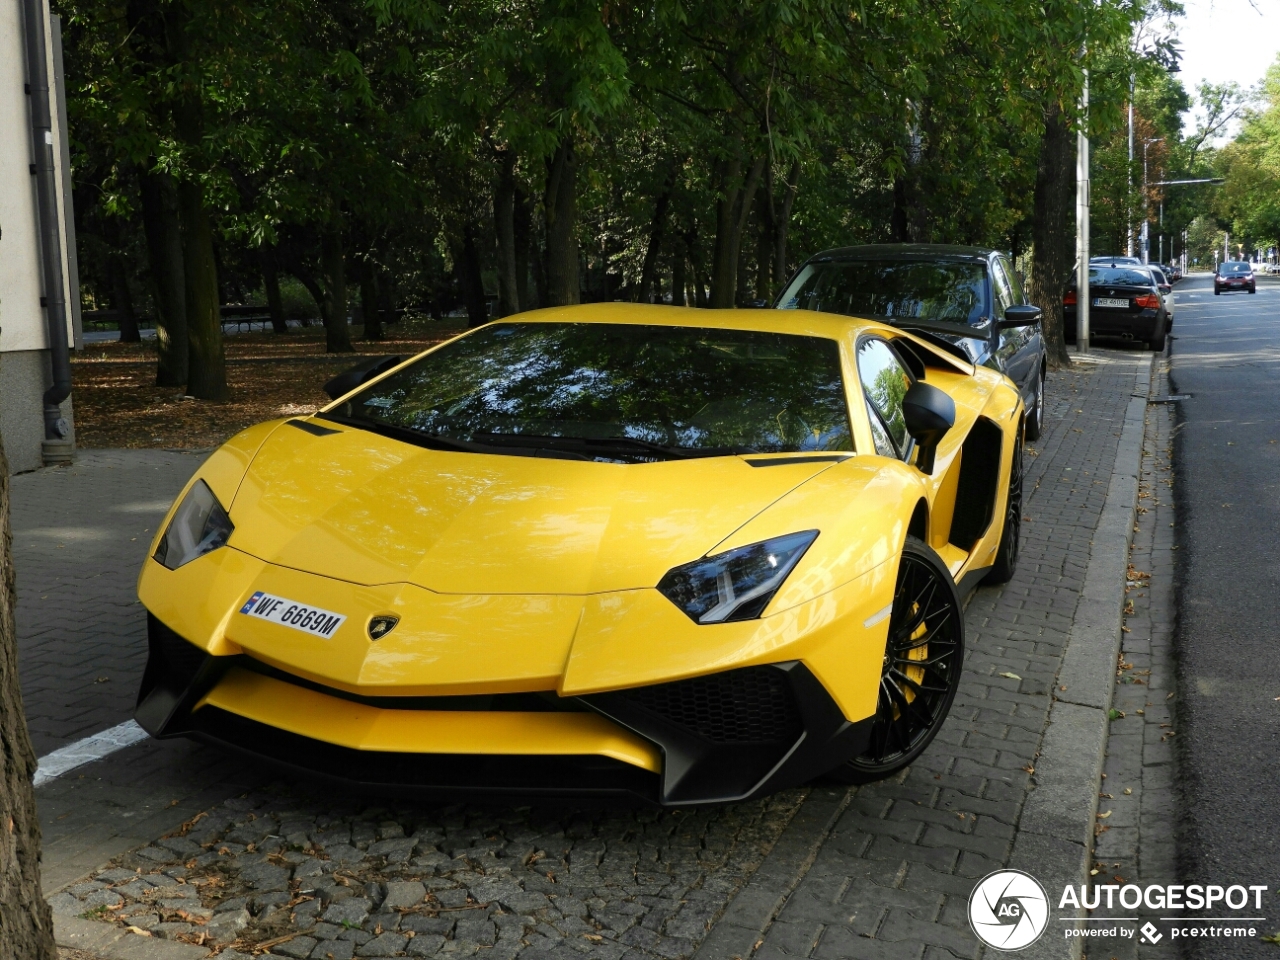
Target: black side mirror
point(361, 373)
point(1020, 315)
point(929, 414)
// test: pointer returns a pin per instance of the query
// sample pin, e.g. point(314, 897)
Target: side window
point(1015, 282)
point(884, 382)
point(1002, 289)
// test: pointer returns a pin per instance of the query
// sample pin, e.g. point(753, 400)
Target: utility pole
point(1146, 226)
point(1082, 223)
point(1128, 222)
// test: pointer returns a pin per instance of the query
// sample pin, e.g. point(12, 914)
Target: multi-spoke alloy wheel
point(921, 667)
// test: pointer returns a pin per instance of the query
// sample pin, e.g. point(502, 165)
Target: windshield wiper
point(616, 443)
point(409, 435)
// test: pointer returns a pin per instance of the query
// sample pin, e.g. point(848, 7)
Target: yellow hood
point(363, 508)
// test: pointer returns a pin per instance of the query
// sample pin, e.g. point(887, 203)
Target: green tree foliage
point(496, 157)
point(1248, 205)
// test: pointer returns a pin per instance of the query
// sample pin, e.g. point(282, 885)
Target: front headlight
point(199, 525)
point(737, 584)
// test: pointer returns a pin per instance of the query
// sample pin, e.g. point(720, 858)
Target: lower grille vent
point(751, 705)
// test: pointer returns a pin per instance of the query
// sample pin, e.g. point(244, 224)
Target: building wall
point(24, 362)
point(24, 377)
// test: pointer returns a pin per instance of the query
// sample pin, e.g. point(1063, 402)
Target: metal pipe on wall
point(56, 428)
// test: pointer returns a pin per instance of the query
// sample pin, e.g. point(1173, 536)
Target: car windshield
point(1227, 268)
point(615, 392)
point(1134, 276)
point(952, 291)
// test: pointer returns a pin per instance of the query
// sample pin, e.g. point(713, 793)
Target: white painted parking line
point(65, 759)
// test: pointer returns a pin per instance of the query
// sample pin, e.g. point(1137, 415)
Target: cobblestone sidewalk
point(882, 871)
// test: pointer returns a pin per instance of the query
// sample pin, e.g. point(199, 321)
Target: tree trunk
point(271, 286)
point(764, 237)
point(723, 259)
point(206, 363)
point(648, 273)
point(732, 212)
point(337, 332)
point(563, 284)
point(504, 210)
point(122, 300)
point(1052, 233)
point(164, 251)
point(471, 278)
point(523, 229)
point(369, 309)
point(677, 280)
point(26, 924)
point(782, 225)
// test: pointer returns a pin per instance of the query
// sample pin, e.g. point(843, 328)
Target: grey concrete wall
point(24, 377)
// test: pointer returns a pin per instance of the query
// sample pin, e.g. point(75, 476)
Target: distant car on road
point(968, 297)
point(1234, 275)
point(1163, 284)
point(1125, 302)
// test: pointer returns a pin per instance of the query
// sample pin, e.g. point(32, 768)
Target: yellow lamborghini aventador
point(690, 555)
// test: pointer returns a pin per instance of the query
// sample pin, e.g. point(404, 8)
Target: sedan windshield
point(1134, 277)
point(1233, 268)
point(615, 392)
point(952, 291)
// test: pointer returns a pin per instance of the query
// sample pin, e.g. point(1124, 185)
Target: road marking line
point(65, 759)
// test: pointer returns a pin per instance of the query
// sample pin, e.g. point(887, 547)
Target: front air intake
point(751, 705)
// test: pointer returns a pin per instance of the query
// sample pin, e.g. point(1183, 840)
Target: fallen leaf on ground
point(1010, 676)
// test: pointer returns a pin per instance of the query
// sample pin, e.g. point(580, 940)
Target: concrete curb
point(755, 906)
point(1054, 842)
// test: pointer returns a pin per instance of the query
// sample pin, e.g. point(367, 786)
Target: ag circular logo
point(1008, 910)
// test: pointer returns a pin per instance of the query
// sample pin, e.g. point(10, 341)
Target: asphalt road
point(1227, 355)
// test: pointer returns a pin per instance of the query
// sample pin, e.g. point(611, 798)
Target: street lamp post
point(1146, 226)
point(1082, 222)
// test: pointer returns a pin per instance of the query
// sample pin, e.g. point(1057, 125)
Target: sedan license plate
point(290, 613)
point(1110, 302)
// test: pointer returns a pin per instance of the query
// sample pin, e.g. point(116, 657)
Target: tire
point(1157, 344)
point(1217, 292)
point(1035, 422)
point(924, 656)
point(1253, 289)
point(1006, 562)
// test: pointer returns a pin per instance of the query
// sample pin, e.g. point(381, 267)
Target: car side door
point(1019, 347)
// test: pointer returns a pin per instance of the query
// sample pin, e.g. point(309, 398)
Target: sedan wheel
point(921, 667)
point(1006, 562)
point(1035, 422)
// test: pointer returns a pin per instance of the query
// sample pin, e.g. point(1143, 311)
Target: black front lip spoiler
point(696, 771)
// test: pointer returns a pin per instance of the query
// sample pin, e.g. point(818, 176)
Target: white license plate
point(290, 613)
point(1110, 302)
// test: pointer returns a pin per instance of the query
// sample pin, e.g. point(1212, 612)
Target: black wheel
point(1007, 555)
point(1253, 289)
point(1217, 292)
point(1035, 419)
point(921, 667)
